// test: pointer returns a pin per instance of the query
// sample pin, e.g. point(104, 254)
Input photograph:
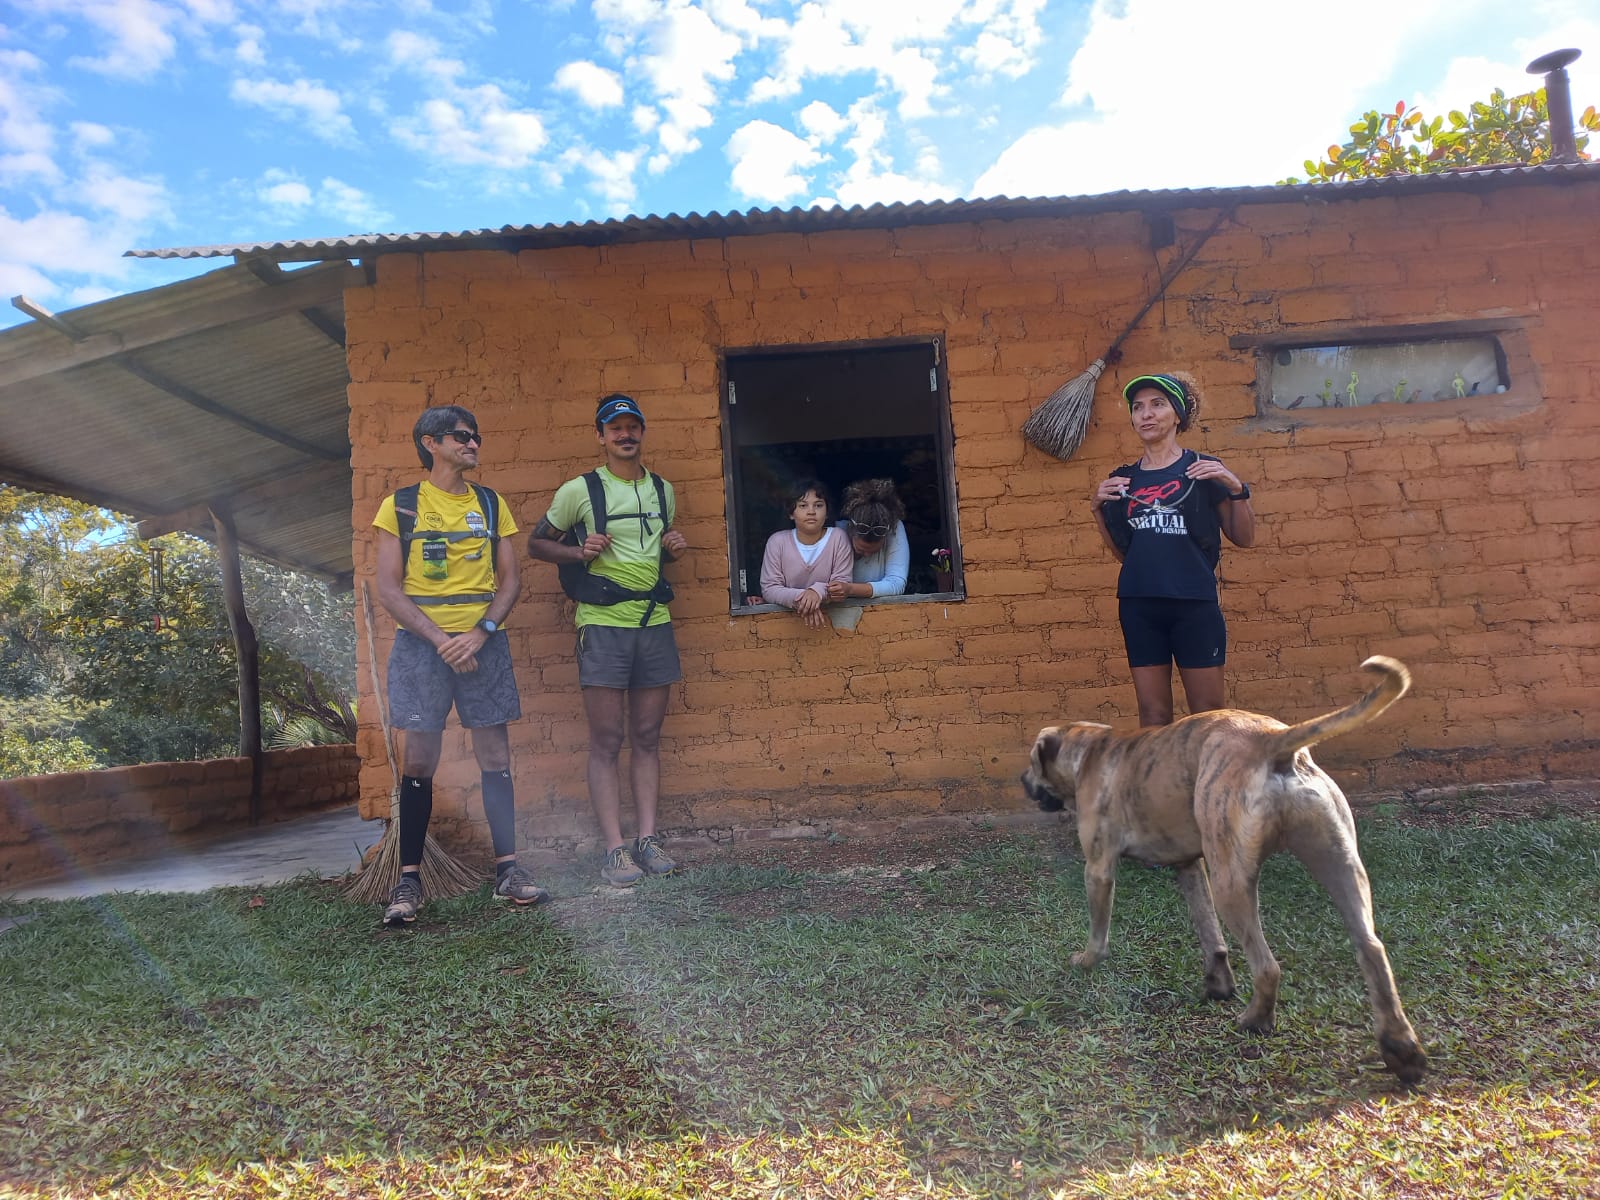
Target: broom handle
point(1188, 256)
point(377, 690)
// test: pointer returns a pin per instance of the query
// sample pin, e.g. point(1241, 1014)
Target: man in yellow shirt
point(447, 573)
point(627, 656)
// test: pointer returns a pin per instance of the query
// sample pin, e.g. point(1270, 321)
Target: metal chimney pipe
point(1558, 101)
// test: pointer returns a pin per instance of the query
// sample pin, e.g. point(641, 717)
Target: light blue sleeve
point(893, 582)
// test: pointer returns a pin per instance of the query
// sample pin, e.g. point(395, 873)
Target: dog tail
point(1394, 684)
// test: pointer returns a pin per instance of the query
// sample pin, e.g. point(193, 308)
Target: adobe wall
point(1458, 536)
point(50, 824)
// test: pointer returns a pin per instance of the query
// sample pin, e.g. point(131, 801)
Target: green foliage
point(132, 669)
point(1502, 131)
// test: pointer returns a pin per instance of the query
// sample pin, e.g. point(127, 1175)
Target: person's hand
point(674, 543)
point(594, 545)
point(838, 590)
point(463, 648)
point(1113, 487)
point(809, 606)
point(1207, 468)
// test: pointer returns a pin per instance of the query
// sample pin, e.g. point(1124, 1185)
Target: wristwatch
point(1242, 494)
point(488, 626)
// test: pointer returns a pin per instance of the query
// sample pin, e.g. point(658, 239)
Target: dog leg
point(1334, 863)
point(1197, 891)
point(1100, 882)
point(1234, 883)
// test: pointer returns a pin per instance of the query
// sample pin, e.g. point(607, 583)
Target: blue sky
point(145, 123)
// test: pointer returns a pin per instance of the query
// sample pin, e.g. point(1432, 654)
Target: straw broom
point(1058, 425)
point(442, 875)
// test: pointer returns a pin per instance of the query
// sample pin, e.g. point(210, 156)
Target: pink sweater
point(784, 574)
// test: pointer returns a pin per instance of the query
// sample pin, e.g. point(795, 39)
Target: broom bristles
point(1059, 424)
point(442, 875)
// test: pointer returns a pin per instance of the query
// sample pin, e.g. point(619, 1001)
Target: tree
point(102, 664)
point(1502, 131)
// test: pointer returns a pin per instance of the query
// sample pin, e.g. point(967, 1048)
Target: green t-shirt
point(635, 524)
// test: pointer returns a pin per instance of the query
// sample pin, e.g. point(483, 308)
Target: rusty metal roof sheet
point(876, 216)
point(227, 389)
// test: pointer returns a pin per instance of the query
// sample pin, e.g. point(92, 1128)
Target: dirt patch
point(1482, 804)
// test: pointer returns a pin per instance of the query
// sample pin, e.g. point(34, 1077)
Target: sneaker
point(648, 854)
point(619, 869)
point(404, 902)
point(517, 886)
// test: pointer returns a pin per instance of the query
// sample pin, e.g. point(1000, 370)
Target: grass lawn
point(813, 1020)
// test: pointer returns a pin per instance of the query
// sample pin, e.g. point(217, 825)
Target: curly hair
point(872, 502)
point(1191, 396)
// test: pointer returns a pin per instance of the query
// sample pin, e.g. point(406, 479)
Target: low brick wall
point(51, 823)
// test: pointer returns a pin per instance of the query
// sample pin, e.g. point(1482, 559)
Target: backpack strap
point(597, 499)
point(405, 516)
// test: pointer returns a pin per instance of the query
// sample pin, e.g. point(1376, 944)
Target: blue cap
point(614, 406)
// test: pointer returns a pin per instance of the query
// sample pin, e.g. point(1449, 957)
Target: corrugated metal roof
point(877, 216)
point(228, 388)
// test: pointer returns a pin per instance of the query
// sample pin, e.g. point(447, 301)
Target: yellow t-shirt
point(449, 567)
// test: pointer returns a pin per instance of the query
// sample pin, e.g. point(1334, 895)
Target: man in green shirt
point(627, 656)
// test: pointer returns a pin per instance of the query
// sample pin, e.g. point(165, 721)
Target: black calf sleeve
point(416, 809)
point(500, 807)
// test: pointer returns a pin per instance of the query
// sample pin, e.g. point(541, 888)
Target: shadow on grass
point(913, 1011)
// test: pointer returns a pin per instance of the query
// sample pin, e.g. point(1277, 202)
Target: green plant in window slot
point(1326, 394)
point(1459, 384)
point(1400, 390)
point(941, 560)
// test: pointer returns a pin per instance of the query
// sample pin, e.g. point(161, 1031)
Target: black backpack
point(405, 515)
point(586, 587)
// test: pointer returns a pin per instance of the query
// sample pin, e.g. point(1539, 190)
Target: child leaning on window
point(801, 562)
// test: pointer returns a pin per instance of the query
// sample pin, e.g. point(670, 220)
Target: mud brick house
point(1407, 371)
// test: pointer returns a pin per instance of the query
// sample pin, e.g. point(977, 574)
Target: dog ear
point(1048, 746)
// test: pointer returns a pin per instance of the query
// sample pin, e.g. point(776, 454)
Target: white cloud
point(611, 176)
point(594, 86)
point(822, 121)
point(871, 178)
point(90, 135)
point(1206, 107)
point(128, 201)
point(36, 252)
point(317, 106)
point(682, 53)
point(1009, 36)
point(471, 126)
point(248, 48)
point(768, 161)
point(291, 194)
point(27, 139)
point(293, 198)
point(139, 33)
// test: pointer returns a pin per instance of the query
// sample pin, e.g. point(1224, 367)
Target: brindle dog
point(1224, 790)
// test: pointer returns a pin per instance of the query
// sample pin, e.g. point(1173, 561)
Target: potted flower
point(943, 578)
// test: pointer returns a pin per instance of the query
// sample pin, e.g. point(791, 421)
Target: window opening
point(1357, 375)
point(839, 414)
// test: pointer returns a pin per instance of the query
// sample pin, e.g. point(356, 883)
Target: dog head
point(1051, 780)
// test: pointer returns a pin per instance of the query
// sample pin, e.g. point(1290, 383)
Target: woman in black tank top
point(1163, 516)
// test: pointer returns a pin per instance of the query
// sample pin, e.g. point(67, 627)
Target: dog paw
point(1086, 960)
point(1259, 1023)
point(1405, 1058)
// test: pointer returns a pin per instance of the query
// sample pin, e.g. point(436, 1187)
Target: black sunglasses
point(462, 436)
point(870, 533)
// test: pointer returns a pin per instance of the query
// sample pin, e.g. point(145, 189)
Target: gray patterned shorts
point(422, 688)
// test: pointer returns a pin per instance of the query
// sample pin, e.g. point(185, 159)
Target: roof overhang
point(226, 392)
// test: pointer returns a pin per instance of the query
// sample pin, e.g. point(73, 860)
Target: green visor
point(1165, 383)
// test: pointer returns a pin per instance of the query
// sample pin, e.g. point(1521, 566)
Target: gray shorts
point(631, 658)
point(422, 687)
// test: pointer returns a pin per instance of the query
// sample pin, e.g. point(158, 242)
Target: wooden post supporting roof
point(249, 654)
